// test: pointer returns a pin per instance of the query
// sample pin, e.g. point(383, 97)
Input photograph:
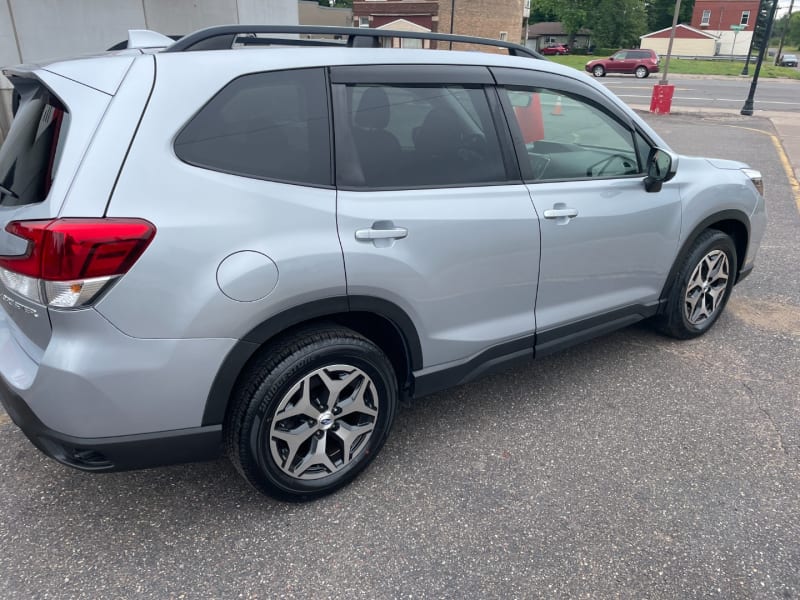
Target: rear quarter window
point(272, 126)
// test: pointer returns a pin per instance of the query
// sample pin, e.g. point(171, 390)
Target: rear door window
point(29, 155)
point(404, 136)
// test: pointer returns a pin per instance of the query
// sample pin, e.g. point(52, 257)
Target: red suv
point(637, 62)
point(555, 49)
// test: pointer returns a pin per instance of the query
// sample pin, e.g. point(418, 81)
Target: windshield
point(29, 155)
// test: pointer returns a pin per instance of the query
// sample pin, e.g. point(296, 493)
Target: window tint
point(404, 137)
point(29, 155)
point(569, 138)
point(266, 125)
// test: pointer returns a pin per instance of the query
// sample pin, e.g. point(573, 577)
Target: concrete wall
point(37, 30)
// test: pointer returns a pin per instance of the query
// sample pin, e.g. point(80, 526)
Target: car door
point(433, 216)
point(619, 64)
point(607, 244)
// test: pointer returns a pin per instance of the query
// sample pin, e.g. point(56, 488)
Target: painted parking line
point(4, 419)
point(784, 158)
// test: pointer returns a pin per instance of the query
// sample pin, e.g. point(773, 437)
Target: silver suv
point(262, 251)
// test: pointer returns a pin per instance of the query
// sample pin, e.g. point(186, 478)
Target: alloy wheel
point(706, 288)
point(324, 422)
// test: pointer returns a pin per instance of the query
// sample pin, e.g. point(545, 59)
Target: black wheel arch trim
point(708, 222)
point(228, 373)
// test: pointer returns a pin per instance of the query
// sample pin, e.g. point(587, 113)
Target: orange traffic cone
point(557, 108)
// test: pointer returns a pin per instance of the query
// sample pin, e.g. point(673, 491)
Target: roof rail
point(224, 36)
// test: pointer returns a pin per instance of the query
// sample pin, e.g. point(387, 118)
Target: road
point(632, 466)
point(697, 92)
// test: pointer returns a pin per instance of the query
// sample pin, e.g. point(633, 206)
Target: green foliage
point(574, 14)
point(619, 23)
point(661, 12)
point(790, 26)
point(616, 23)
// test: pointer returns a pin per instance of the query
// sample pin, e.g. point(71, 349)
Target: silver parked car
point(260, 252)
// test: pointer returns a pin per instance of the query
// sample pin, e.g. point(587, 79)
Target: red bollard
point(661, 102)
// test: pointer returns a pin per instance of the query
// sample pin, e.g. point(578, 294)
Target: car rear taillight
point(68, 262)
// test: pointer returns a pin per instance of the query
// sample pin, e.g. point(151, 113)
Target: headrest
point(373, 109)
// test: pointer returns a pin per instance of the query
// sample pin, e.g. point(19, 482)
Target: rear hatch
point(55, 120)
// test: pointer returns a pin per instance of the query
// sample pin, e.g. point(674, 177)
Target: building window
point(706, 18)
point(745, 17)
point(503, 36)
point(363, 21)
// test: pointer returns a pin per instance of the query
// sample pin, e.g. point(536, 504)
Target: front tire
point(702, 286)
point(598, 71)
point(311, 413)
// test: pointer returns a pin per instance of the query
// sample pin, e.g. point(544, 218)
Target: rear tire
point(598, 71)
point(702, 286)
point(311, 413)
point(641, 72)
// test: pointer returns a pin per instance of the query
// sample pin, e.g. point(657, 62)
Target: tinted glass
point(29, 154)
point(569, 138)
point(266, 125)
point(421, 136)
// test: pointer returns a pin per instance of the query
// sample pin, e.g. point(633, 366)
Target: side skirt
point(522, 350)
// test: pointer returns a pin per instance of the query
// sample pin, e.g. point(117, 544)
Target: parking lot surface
point(630, 466)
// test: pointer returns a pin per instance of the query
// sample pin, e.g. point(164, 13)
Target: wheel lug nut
point(320, 434)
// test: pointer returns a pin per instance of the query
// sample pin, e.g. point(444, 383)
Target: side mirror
point(661, 166)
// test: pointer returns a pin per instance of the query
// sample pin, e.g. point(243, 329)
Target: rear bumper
point(118, 453)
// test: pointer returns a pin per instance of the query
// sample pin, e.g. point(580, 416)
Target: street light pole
point(752, 41)
point(747, 109)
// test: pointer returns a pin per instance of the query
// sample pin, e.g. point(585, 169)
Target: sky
point(783, 7)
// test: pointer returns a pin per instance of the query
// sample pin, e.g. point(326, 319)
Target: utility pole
point(783, 33)
point(747, 109)
point(671, 40)
point(452, 18)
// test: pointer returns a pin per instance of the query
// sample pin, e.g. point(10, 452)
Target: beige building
point(688, 42)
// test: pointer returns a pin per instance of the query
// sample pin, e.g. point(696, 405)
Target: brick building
point(401, 15)
point(495, 19)
point(721, 18)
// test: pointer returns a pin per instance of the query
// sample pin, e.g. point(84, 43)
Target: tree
point(619, 23)
point(573, 14)
point(661, 12)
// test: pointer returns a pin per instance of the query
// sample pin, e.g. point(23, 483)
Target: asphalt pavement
point(632, 466)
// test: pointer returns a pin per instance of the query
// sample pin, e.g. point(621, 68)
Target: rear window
point(29, 155)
